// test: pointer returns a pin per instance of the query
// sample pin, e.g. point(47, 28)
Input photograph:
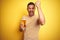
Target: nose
point(31, 9)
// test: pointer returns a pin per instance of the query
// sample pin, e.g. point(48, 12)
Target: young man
point(32, 22)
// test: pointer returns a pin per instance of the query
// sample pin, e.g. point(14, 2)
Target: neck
point(31, 15)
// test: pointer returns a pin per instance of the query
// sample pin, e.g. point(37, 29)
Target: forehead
point(31, 6)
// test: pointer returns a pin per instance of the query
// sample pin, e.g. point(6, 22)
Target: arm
point(41, 19)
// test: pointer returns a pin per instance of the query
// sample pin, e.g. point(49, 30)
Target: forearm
point(40, 15)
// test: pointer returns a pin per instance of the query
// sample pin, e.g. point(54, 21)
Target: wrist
point(38, 7)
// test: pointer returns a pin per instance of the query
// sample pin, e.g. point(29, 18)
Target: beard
point(31, 13)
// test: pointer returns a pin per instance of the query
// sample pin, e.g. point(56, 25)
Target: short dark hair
point(30, 3)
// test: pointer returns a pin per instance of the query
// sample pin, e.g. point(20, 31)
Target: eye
point(32, 8)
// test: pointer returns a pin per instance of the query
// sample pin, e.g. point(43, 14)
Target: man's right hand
point(22, 28)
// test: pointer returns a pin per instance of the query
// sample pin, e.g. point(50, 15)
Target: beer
point(23, 21)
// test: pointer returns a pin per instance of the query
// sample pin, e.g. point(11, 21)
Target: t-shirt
point(32, 29)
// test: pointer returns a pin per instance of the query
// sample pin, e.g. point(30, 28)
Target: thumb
point(38, 0)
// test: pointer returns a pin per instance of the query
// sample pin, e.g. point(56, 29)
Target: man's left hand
point(37, 3)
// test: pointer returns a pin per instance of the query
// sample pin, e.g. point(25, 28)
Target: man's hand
point(37, 3)
point(22, 28)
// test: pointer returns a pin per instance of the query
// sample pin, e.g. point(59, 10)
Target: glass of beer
point(23, 21)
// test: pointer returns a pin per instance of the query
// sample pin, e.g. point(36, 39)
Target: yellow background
point(13, 10)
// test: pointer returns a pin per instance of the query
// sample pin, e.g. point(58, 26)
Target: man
point(32, 22)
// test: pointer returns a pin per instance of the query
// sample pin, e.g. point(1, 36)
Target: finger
point(38, 0)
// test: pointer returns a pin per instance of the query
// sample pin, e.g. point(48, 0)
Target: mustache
point(31, 11)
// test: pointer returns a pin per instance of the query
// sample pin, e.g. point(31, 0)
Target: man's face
point(31, 9)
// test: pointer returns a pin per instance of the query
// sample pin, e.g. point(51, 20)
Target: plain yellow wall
point(13, 10)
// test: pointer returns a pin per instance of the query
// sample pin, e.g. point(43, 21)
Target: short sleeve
point(23, 18)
